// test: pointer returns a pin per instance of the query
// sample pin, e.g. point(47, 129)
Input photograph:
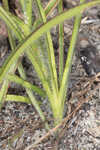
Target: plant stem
point(71, 50)
point(61, 44)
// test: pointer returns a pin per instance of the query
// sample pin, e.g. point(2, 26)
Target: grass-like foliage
point(34, 40)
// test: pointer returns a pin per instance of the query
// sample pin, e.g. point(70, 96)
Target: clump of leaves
point(29, 32)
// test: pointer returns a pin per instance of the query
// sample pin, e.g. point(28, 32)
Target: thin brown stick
point(65, 120)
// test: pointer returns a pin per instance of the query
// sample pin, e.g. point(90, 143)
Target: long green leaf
point(65, 79)
point(51, 5)
point(61, 44)
point(49, 8)
point(3, 92)
point(17, 98)
point(39, 72)
point(9, 22)
point(27, 10)
point(51, 57)
point(20, 23)
point(26, 84)
point(32, 97)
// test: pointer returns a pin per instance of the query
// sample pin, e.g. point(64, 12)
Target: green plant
point(30, 33)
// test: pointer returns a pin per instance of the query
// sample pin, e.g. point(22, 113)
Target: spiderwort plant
point(32, 34)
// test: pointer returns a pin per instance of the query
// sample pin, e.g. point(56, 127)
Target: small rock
point(90, 58)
